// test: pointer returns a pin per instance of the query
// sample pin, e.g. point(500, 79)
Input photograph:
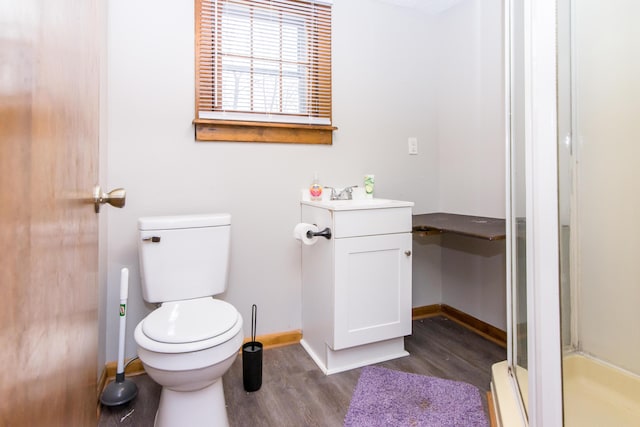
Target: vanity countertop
point(358, 204)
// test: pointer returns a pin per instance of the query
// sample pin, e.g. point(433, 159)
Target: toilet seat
point(187, 326)
point(180, 322)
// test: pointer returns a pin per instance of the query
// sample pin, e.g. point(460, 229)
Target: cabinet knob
point(407, 253)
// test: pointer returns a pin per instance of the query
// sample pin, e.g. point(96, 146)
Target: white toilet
point(191, 340)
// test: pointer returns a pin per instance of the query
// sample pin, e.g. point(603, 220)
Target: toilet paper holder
point(326, 233)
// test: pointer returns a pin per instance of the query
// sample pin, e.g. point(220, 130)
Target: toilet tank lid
point(183, 221)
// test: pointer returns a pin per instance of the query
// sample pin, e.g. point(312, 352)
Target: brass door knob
point(115, 198)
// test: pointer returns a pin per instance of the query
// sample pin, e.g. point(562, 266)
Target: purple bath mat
point(391, 398)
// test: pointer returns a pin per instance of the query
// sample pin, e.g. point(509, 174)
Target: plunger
point(121, 390)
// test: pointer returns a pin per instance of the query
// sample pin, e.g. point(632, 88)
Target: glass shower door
point(599, 201)
point(517, 219)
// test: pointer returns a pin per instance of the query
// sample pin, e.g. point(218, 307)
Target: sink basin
point(339, 205)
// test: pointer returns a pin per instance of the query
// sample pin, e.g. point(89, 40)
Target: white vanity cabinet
point(356, 286)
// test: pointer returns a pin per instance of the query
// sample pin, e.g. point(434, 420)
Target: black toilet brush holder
point(252, 358)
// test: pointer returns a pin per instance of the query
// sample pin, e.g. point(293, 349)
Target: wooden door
point(49, 107)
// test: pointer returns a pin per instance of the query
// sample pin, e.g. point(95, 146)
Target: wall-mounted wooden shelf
point(473, 226)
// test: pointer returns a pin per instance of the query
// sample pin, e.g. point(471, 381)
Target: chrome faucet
point(344, 194)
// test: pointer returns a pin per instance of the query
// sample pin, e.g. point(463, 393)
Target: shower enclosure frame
point(544, 390)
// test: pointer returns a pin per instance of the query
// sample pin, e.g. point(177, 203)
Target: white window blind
point(264, 60)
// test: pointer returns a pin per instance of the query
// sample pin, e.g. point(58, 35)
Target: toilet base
point(204, 407)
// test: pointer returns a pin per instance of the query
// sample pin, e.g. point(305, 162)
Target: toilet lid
point(189, 321)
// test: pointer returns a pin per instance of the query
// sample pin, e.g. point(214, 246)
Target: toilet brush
point(121, 390)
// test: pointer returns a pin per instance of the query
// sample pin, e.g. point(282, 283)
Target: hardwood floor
point(296, 393)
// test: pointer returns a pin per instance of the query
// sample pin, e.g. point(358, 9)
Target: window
point(263, 71)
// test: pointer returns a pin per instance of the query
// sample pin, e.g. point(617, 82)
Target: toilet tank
point(183, 257)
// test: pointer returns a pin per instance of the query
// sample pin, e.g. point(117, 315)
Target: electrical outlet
point(413, 145)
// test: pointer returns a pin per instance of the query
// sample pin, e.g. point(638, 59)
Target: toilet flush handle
point(152, 239)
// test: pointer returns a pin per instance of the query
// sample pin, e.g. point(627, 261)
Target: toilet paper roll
point(300, 233)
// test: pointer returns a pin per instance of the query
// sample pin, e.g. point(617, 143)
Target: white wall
point(470, 99)
point(463, 272)
point(396, 73)
point(471, 153)
point(473, 277)
point(382, 95)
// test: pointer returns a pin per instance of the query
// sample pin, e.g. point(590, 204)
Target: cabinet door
point(372, 289)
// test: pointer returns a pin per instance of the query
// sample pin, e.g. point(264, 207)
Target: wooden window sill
point(238, 131)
